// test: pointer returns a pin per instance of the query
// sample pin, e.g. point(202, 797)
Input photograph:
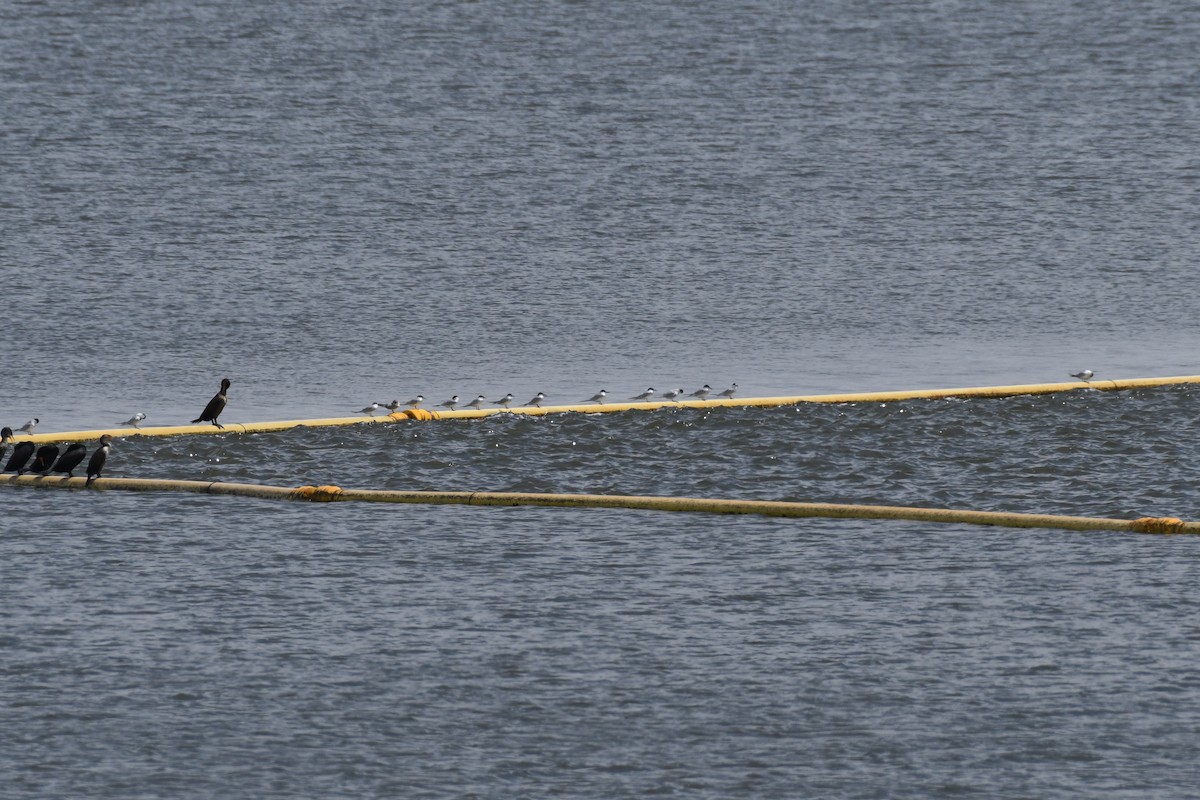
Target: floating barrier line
point(770, 508)
point(609, 408)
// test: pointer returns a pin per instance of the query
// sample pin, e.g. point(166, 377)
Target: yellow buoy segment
point(608, 408)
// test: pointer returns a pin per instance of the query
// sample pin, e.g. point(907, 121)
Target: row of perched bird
point(599, 398)
point(47, 459)
point(671, 395)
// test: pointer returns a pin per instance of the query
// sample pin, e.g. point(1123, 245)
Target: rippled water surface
point(340, 203)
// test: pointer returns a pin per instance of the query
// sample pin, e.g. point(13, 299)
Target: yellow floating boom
point(607, 408)
point(768, 508)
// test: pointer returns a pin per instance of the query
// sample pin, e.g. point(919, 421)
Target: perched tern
point(701, 393)
point(730, 392)
point(371, 409)
point(672, 394)
point(477, 402)
point(450, 404)
point(537, 400)
point(416, 401)
point(1085, 376)
point(505, 401)
point(29, 426)
point(646, 395)
point(135, 419)
point(598, 397)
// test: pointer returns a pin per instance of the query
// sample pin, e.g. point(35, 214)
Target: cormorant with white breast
point(96, 464)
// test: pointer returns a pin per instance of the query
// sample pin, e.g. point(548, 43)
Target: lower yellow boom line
point(769, 508)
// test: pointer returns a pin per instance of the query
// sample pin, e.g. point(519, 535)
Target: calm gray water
point(338, 203)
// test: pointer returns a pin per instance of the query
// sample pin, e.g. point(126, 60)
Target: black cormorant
point(20, 454)
point(215, 406)
point(70, 459)
point(44, 460)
